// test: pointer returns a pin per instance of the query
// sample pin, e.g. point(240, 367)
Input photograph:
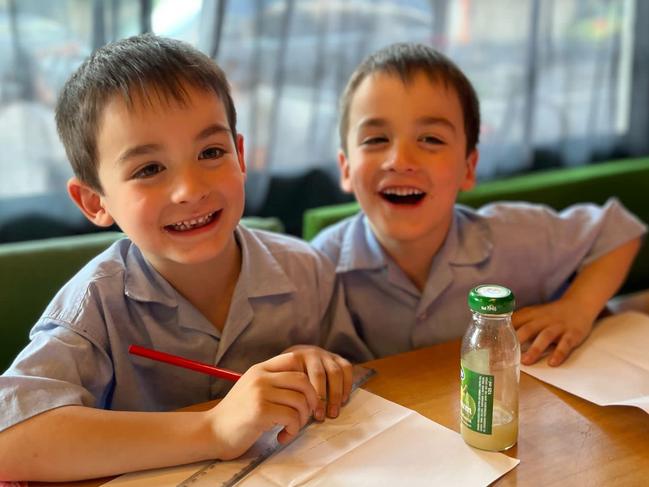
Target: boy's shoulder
point(508, 212)
point(274, 263)
point(104, 274)
point(523, 213)
point(267, 247)
point(332, 239)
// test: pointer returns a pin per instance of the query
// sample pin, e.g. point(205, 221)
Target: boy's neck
point(415, 257)
point(210, 285)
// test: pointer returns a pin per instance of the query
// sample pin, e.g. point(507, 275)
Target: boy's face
point(406, 158)
point(172, 177)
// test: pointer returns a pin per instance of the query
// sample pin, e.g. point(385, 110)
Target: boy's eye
point(212, 153)
point(148, 171)
point(374, 140)
point(431, 139)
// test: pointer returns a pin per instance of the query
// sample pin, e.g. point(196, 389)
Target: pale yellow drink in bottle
point(490, 371)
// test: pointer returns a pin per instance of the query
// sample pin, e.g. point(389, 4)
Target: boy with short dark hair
point(150, 129)
point(409, 130)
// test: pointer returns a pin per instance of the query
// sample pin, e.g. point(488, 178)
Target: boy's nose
point(189, 186)
point(401, 159)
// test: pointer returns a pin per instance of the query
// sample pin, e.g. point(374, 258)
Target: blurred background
point(561, 83)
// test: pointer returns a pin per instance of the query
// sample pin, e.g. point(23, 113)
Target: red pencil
point(184, 362)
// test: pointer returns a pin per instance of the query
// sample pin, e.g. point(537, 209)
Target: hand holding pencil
point(285, 390)
point(271, 393)
point(329, 373)
point(279, 391)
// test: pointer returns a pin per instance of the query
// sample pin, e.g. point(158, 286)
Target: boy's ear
point(89, 202)
point(470, 174)
point(242, 159)
point(345, 178)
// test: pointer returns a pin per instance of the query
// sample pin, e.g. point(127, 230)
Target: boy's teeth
point(193, 223)
point(402, 191)
point(403, 195)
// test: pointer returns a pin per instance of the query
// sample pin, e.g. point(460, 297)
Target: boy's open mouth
point(402, 196)
point(194, 223)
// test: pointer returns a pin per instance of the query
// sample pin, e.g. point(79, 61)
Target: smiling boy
point(409, 130)
point(150, 129)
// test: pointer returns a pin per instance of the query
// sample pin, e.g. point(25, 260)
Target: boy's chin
point(401, 233)
point(194, 257)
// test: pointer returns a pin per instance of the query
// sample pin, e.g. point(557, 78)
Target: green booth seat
point(626, 179)
point(32, 272)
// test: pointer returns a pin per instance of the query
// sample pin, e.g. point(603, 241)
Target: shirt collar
point(360, 250)
point(260, 275)
point(470, 236)
point(260, 271)
point(144, 283)
point(469, 242)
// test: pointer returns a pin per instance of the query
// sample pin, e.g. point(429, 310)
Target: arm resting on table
point(76, 442)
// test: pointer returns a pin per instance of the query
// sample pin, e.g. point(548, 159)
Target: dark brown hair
point(406, 60)
point(142, 67)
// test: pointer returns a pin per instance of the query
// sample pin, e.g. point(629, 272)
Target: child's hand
point(330, 375)
point(563, 322)
point(274, 392)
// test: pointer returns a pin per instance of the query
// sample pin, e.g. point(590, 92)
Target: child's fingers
point(334, 386)
point(298, 382)
point(542, 341)
point(532, 328)
point(344, 377)
point(289, 399)
point(569, 341)
point(522, 316)
point(559, 355)
point(318, 378)
point(282, 363)
point(259, 378)
point(348, 373)
point(288, 417)
point(284, 437)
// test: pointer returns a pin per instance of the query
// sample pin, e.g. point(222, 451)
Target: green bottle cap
point(491, 299)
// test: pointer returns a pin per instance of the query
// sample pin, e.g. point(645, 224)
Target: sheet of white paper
point(374, 442)
point(610, 368)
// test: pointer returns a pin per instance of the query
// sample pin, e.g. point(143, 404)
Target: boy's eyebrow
point(140, 150)
point(215, 128)
point(372, 122)
point(436, 121)
point(427, 120)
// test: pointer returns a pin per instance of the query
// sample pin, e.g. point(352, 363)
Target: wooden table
point(563, 440)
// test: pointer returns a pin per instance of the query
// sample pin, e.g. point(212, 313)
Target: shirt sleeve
point(583, 233)
point(59, 367)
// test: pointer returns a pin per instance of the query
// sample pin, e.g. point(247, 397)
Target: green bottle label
point(476, 400)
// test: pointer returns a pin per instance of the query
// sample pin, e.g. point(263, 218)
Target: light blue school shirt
point(286, 294)
point(531, 249)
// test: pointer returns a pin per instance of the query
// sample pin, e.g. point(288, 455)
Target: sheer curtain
point(554, 76)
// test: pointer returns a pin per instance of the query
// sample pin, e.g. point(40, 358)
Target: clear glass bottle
point(490, 371)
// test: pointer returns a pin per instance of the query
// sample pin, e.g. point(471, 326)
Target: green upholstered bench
point(32, 272)
point(627, 179)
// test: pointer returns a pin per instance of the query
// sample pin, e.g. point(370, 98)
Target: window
point(554, 77)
